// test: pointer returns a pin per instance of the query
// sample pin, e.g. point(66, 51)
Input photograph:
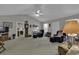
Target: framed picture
point(8, 24)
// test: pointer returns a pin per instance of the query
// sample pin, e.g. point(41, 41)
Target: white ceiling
point(50, 11)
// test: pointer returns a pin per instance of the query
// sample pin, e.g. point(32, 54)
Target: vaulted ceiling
point(49, 11)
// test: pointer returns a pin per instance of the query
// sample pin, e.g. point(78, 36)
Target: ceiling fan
point(38, 13)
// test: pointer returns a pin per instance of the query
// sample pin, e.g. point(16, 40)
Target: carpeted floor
point(30, 46)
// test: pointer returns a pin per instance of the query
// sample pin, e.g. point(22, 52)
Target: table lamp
point(71, 28)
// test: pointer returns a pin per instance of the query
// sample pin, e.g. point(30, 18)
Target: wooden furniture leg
point(2, 48)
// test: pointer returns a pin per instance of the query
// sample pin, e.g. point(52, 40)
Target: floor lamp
point(71, 28)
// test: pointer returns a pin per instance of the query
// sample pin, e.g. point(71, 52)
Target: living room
point(37, 29)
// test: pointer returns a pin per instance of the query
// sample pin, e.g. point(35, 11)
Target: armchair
point(38, 34)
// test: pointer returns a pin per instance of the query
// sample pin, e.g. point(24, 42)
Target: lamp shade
point(71, 27)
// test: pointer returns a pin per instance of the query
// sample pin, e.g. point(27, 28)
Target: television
point(2, 29)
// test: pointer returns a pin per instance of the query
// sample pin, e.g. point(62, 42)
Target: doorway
point(45, 27)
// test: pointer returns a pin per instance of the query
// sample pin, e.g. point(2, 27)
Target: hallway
point(30, 46)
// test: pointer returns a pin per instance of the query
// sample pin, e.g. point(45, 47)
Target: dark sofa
point(56, 39)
